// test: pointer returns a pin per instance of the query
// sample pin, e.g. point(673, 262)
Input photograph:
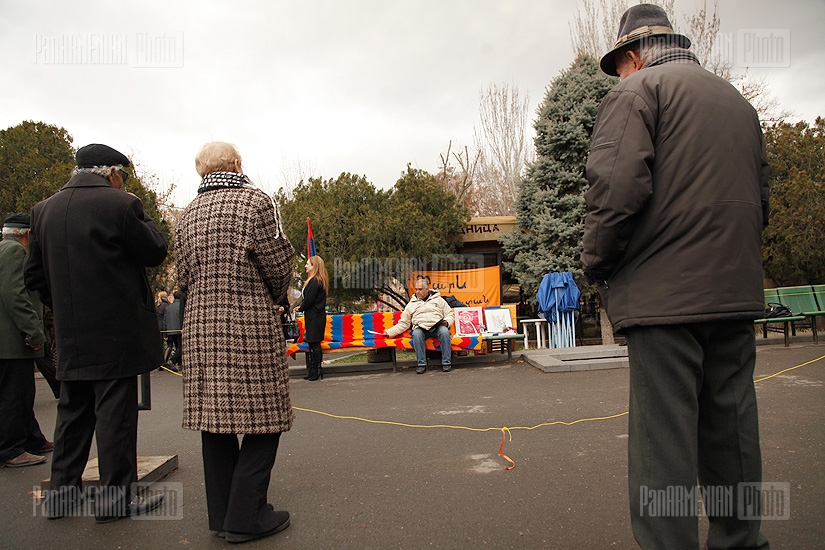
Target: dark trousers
point(19, 430)
point(692, 417)
point(109, 409)
point(237, 480)
point(173, 340)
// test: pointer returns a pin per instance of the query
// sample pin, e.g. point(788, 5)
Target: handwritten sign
point(473, 287)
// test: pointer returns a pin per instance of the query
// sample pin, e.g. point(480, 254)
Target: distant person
point(234, 263)
point(161, 303)
point(430, 317)
point(90, 245)
point(172, 325)
point(677, 202)
point(314, 306)
point(22, 339)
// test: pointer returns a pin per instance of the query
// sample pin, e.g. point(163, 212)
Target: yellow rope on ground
point(789, 369)
point(506, 429)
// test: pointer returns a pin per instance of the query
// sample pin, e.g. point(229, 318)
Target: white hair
point(15, 233)
point(104, 171)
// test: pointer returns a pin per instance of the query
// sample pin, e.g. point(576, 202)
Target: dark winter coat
point(678, 199)
point(314, 306)
point(172, 320)
point(234, 263)
point(88, 250)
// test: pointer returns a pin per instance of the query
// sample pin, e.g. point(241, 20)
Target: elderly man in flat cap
point(90, 245)
point(677, 202)
point(21, 341)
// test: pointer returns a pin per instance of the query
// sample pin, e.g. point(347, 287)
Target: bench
point(363, 330)
point(772, 297)
point(802, 300)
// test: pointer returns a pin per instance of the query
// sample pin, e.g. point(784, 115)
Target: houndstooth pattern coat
point(235, 264)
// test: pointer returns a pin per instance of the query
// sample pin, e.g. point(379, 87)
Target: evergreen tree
point(550, 208)
point(35, 162)
point(365, 234)
point(792, 250)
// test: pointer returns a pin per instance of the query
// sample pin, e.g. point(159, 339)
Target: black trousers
point(693, 419)
point(19, 430)
point(174, 341)
point(107, 408)
point(237, 480)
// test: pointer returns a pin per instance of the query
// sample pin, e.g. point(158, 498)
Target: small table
point(501, 337)
point(538, 323)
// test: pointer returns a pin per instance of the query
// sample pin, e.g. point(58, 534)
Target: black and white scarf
point(223, 180)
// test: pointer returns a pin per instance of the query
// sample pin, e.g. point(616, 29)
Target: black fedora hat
point(638, 22)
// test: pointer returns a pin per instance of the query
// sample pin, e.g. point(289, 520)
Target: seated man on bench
point(430, 317)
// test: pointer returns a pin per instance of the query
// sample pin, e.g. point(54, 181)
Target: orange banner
point(474, 287)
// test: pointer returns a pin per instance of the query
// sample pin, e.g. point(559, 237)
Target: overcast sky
point(330, 86)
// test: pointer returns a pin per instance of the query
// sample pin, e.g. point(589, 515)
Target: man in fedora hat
point(89, 248)
point(677, 202)
point(22, 443)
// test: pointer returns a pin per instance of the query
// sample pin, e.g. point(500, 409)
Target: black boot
point(308, 359)
point(315, 372)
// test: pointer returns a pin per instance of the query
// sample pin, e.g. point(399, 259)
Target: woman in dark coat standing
point(234, 263)
point(314, 306)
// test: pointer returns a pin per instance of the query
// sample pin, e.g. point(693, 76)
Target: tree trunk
point(607, 328)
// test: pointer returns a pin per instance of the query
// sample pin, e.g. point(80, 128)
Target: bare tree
point(596, 26)
point(504, 147)
point(293, 172)
point(459, 181)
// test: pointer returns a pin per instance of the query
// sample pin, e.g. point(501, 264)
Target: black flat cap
point(19, 219)
point(97, 154)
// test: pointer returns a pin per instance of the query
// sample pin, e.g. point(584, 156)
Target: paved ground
point(349, 483)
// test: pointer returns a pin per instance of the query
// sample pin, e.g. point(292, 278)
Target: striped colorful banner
point(356, 330)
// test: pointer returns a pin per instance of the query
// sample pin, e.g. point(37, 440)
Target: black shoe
point(420, 370)
point(238, 538)
point(446, 368)
point(137, 507)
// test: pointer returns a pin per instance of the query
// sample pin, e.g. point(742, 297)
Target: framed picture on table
point(467, 321)
point(498, 319)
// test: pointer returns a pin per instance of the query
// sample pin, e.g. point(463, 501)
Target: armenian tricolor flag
point(310, 241)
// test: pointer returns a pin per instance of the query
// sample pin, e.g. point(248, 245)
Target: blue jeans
point(419, 338)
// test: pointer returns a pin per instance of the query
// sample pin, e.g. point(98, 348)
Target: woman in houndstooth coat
point(235, 264)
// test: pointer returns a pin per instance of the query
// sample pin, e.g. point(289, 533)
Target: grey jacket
point(678, 199)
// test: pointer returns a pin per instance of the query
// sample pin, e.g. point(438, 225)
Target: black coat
point(314, 307)
point(88, 250)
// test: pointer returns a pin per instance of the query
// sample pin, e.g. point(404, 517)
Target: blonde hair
point(161, 295)
point(217, 156)
point(321, 274)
